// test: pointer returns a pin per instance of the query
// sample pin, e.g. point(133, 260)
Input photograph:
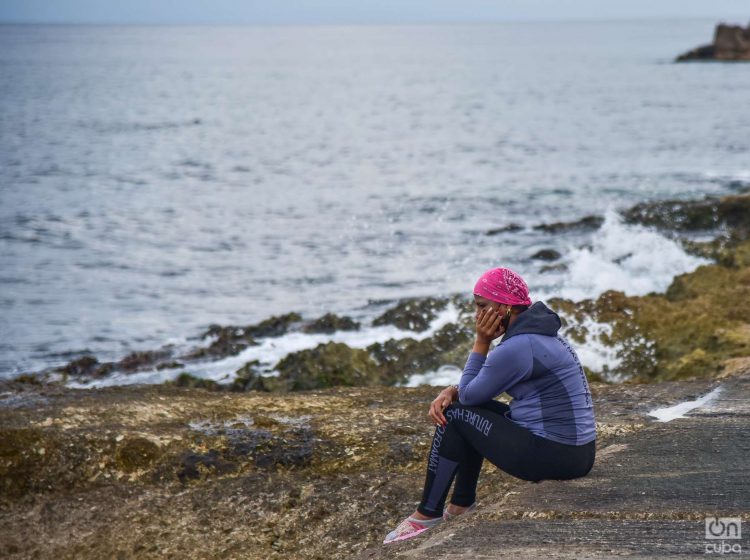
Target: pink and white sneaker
point(411, 527)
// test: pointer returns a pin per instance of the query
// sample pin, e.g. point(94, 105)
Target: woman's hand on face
point(446, 397)
point(489, 325)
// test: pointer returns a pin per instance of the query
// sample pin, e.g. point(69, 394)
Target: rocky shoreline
point(695, 328)
point(322, 460)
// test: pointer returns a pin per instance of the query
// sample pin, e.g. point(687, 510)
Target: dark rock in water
point(232, 340)
point(141, 360)
point(229, 342)
point(560, 267)
point(328, 365)
point(694, 215)
point(86, 367)
point(546, 255)
point(330, 323)
point(731, 43)
point(412, 314)
point(169, 365)
point(505, 229)
point(584, 224)
point(276, 325)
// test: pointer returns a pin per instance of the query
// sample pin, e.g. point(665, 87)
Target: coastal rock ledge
point(168, 472)
point(731, 42)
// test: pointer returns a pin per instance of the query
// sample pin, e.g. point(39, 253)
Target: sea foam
point(630, 258)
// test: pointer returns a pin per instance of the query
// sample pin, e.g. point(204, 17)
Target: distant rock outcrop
point(731, 42)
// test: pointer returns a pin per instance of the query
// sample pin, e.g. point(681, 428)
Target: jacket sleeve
point(486, 377)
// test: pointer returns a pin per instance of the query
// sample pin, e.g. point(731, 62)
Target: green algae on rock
point(330, 323)
point(412, 314)
point(328, 365)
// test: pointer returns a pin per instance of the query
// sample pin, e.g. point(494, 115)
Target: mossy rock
point(412, 314)
point(400, 358)
point(275, 325)
point(330, 323)
point(136, 453)
point(328, 365)
point(248, 378)
point(189, 381)
point(693, 215)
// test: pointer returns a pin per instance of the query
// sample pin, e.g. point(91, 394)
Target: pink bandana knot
point(503, 286)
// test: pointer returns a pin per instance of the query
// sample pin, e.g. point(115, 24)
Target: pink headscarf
point(503, 286)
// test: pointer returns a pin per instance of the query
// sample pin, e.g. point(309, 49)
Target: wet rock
point(136, 453)
point(328, 365)
point(587, 223)
point(709, 213)
point(142, 360)
point(559, 267)
point(86, 367)
point(546, 255)
point(413, 314)
point(505, 229)
point(276, 325)
point(330, 323)
point(231, 340)
point(731, 43)
point(169, 365)
point(248, 378)
point(401, 358)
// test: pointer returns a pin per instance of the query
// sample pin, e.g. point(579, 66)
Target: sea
point(155, 180)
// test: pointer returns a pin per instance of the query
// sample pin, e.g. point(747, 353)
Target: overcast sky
point(360, 11)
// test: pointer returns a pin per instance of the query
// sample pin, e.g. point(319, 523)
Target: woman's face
point(480, 303)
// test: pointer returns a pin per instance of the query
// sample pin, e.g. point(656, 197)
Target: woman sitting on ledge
point(547, 432)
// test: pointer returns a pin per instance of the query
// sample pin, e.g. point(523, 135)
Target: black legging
point(476, 432)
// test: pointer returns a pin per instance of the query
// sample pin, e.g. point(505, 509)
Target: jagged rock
point(86, 367)
point(232, 340)
point(413, 314)
point(731, 43)
point(330, 323)
point(693, 215)
point(587, 223)
point(141, 360)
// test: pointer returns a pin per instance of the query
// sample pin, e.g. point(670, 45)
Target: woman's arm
point(485, 377)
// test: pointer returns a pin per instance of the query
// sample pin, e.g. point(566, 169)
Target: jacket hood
point(537, 319)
